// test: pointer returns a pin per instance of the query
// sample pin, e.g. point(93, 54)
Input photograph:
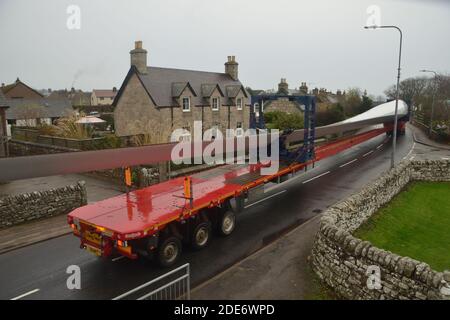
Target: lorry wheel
point(227, 223)
point(169, 251)
point(201, 235)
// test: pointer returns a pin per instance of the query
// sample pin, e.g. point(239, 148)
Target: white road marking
point(411, 150)
point(367, 153)
point(412, 158)
point(259, 201)
point(25, 294)
point(444, 158)
point(316, 177)
point(346, 164)
point(379, 146)
point(117, 258)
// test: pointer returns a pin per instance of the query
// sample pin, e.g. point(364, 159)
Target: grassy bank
point(416, 223)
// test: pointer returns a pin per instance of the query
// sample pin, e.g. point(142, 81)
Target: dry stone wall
point(355, 269)
point(41, 204)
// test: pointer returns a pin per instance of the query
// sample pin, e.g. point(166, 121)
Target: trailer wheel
point(227, 223)
point(201, 235)
point(169, 251)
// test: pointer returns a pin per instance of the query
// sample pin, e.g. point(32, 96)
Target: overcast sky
point(321, 42)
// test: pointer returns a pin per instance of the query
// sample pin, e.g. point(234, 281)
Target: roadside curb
point(23, 245)
point(442, 147)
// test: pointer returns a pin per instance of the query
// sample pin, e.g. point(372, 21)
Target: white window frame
point(239, 103)
point(239, 130)
point(212, 104)
point(189, 104)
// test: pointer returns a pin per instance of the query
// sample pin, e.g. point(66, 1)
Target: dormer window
point(215, 104)
point(186, 104)
point(239, 103)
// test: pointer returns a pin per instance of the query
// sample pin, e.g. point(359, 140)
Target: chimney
point(139, 57)
point(283, 87)
point(231, 67)
point(303, 88)
point(114, 89)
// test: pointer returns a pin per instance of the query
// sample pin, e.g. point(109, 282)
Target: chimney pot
point(138, 44)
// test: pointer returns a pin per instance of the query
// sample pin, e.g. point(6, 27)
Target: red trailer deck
point(139, 222)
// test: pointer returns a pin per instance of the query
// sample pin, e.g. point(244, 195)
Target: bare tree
point(410, 89)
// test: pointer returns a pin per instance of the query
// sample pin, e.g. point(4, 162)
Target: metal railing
point(178, 287)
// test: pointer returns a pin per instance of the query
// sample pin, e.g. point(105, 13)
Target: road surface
point(39, 271)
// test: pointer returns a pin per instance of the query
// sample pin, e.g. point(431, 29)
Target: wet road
point(39, 270)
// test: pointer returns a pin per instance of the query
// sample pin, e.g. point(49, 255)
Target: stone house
point(284, 105)
point(324, 98)
point(29, 108)
point(31, 113)
point(103, 97)
point(19, 90)
point(156, 101)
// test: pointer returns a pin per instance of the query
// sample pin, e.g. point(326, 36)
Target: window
point(215, 104)
point(214, 130)
point(186, 136)
point(186, 104)
point(239, 130)
point(239, 103)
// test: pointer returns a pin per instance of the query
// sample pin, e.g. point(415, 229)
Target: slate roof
point(39, 108)
point(164, 84)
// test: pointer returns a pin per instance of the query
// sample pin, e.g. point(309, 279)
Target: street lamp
point(432, 103)
point(394, 139)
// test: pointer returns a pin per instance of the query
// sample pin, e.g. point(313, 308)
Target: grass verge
point(416, 223)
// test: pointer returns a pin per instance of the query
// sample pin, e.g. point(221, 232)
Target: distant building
point(19, 90)
point(78, 98)
point(156, 100)
point(28, 107)
point(103, 97)
point(3, 125)
point(324, 98)
point(31, 113)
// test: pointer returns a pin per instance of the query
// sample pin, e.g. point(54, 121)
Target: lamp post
point(432, 103)
point(394, 139)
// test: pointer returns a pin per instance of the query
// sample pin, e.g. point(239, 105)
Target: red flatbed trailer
point(156, 219)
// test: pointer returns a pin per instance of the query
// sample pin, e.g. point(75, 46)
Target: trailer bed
point(155, 205)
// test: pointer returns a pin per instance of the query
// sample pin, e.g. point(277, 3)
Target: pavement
point(40, 230)
point(265, 258)
point(278, 271)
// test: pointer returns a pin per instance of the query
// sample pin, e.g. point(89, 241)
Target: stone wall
point(41, 204)
point(346, 263)
point(33, 135)
point(19, 148)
